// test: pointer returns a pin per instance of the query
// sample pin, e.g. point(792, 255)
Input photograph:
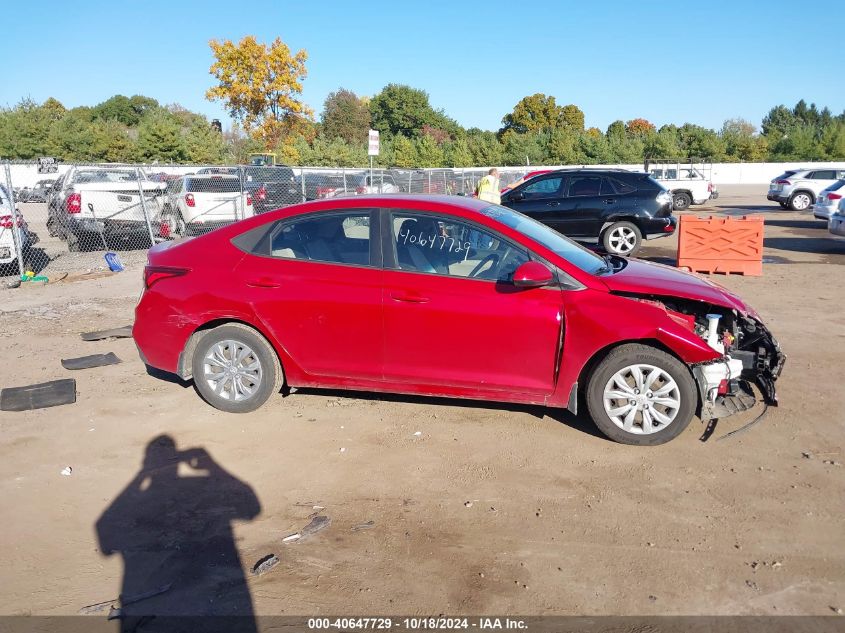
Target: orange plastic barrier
point(721, 245)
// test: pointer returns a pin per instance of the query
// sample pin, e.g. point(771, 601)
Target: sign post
point(372, 150)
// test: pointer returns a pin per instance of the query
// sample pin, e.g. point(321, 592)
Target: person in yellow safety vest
point(488, 187)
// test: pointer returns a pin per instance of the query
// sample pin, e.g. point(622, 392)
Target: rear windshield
point(554, 241)
point(214, 185)
point(836, 186)
point(786, 174)
point(103, 175)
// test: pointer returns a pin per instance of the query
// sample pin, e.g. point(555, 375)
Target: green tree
point(536, 113)
point(347, 116)
point(404, 152)
point(562, 147)
point(429, 153)
point(159, 138)
point(203, 144)
point(111, 142)
point(126, 110)
point(572, 118)
point(400, 109)
point(522, 149)
point(24, 130)
point(458, 153)
point(72, 138)
point(486, 148)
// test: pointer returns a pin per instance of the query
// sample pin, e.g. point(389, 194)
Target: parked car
point(222, 170)
point(688, 184)
point(200, 203)
point(39, 192)
point(797, 189)
point(828, 201)
point(448, 297)
point(319, 186)
point(612, 207)
point(95, 206)
point(381, 182)
point(9, 251)
point(271, 187)
point(836, 224)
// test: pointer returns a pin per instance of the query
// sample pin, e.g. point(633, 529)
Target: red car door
point(319, 295)
point(451, 316)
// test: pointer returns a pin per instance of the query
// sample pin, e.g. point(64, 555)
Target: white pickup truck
point(688, 184)
point(9, 244)
point(101, 207)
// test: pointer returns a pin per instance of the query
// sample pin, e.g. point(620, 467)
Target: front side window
point(545, 188)
point(445, 246)
point(339, 238)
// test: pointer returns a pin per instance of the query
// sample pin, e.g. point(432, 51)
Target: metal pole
point(16, 230)
point(144, 206)
point(371, 170)
point(302, 181)
point(344, 180)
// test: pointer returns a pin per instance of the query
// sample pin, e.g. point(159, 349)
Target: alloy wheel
point(622, 240)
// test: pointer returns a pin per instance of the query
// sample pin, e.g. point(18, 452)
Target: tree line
point(260, 86)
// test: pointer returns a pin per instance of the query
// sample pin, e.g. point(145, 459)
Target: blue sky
point(669, 62)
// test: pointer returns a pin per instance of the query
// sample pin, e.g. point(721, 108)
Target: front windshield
point(551, 239)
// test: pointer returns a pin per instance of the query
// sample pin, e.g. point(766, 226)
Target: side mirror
point(532, 275)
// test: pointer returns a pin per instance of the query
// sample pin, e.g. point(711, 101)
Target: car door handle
point(262, 282)
point(408, 298)
point(553, 204)
point(609, 200)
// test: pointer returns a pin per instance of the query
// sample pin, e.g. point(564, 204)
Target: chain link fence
point(98, 209)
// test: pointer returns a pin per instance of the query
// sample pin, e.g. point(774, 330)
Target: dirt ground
point(475, 508)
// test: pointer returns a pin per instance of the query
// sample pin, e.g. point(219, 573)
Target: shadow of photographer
point(172, 525)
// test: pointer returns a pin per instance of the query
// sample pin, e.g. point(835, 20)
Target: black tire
point(681, 200)
point(74, 242)
point(271, 369)
point(798, 198)
point(612, 239)
point(784, 205)
point(633, 354)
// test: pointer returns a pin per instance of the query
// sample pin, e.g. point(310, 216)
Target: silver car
point(797, 189)
point(837, 220)
point(828, 201)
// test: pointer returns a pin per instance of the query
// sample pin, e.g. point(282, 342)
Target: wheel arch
point(809, 192)
point(602, 353)
point(183, 368)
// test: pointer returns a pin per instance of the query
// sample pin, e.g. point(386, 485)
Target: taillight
point(73, 203)
point(164, 229)
point(189, 200)
point(153, 274)
point(709, 187)
point(6, 222)
point(248, 200)
point(834, 196)
point(261, 193)
point(782, 182)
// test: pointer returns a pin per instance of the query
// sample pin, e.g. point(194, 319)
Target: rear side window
point(214, 185)
point(617, 186)
point(823, 174)
point(337, 238)
point(584, 186)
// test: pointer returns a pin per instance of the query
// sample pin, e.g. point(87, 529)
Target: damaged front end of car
point(749, 354)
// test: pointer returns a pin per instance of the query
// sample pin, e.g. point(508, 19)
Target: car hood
point(647, 278)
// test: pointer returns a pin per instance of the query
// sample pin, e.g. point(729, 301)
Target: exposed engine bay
point(750, 355)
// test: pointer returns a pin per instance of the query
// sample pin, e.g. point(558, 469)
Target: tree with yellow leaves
point(260, 86)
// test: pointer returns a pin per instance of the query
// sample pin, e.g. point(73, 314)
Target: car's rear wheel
point(235, 369)
point(681, 201)
point(175, 221)
point(800, 201)
point(622, 238)
point(641, 395)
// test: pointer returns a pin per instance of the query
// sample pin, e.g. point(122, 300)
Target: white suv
point(797, 189)
point(8, 242)
point(196, 204)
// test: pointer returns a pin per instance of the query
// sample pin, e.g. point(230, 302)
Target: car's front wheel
point(622, 238)
point(235, 369)
point(641, 395)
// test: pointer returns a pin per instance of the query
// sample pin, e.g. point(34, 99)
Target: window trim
point(564, 184)
point(572, 177)
point(391, 256)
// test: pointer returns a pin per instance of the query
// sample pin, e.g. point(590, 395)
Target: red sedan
point(448, 296)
